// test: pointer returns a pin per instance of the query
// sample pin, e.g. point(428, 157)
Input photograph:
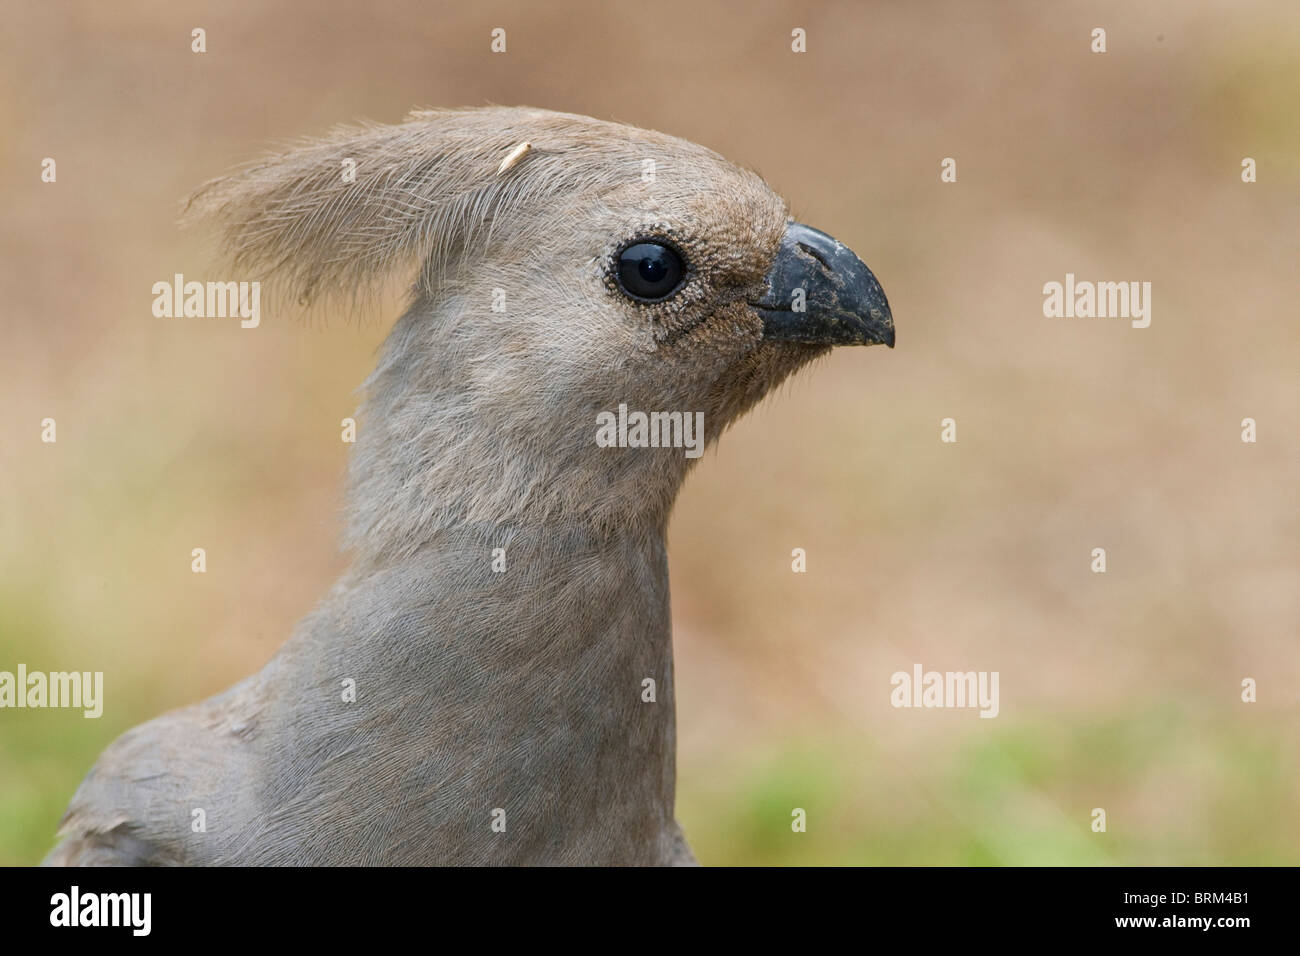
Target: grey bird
point(473, 689)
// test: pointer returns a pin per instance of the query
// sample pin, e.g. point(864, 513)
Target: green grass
point(1176, 790)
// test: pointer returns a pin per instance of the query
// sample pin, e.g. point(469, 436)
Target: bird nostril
point(816, 255)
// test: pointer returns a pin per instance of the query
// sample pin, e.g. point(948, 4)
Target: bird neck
point(540, 658)
point(438, 450)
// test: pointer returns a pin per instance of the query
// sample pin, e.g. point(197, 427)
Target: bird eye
point(649, 271)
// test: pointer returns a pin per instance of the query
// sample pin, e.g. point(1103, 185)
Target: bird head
point(567, 269)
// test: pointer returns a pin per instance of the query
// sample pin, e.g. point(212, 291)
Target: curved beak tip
point(819, 292)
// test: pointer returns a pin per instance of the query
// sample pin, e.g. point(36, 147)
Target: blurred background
point(1119, 690)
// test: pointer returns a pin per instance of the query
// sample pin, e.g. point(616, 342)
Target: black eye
point(648, 270)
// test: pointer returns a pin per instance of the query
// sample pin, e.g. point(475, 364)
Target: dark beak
point(819, 292)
